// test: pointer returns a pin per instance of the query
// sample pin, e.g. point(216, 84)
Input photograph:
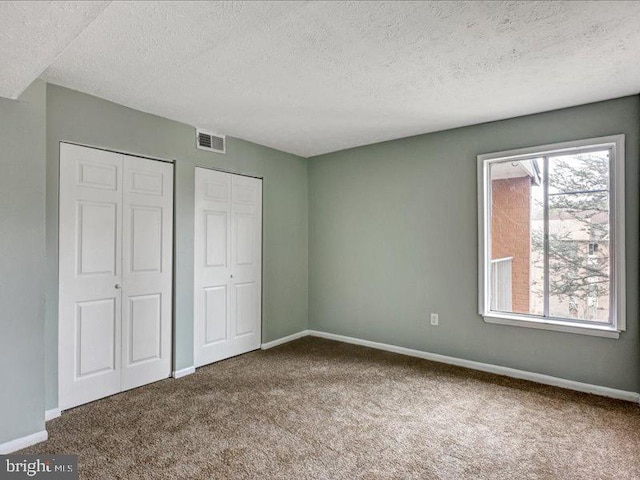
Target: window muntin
point(548, 234)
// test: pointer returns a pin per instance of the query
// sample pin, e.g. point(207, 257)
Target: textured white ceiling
point(315, 77)
point(33, 34)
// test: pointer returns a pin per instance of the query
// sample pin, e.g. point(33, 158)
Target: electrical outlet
point(434, 319)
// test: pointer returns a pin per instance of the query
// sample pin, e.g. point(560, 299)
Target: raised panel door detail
point(245, 308)
point(215, 191)
point(95, 175)
point(95, 340)
point(97, 230)
point(146, 183)
point(216, 239)
point(245, 233)
point(215, 314)
point(144, 328)
point(146, 239)
point(244, 194)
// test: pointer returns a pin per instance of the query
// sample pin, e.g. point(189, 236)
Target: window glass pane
point(516, 278)
point(579, 261)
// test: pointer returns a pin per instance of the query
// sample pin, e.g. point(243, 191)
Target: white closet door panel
point(212, 258)
point(215, 309)
point(246, 282)
point(147, 271)
point(89, 316)
point(228, 249)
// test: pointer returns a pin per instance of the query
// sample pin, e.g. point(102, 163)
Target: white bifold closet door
point(228, 265)
point(116, 270)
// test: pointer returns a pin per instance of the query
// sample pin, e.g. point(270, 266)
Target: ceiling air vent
point(211, 142)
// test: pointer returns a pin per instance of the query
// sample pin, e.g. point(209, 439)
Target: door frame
point(173, 248)
point(257, 177)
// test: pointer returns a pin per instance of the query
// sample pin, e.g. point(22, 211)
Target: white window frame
point(617, 242)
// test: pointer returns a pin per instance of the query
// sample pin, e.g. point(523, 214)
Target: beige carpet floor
point(318, 409)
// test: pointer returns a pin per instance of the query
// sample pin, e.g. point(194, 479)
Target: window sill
point(555, 325)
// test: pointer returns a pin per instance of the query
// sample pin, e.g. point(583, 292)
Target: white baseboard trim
point(487, 367)
point(183, 372)
point(51, 414)
point(23, 442)
point(287, 339)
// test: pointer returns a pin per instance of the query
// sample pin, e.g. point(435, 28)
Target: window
point(552, 236)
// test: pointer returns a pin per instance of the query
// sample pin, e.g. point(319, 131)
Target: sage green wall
point(22, 243)
point(81, 118)
point(393, 237)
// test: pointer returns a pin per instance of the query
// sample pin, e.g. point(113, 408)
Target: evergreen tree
point(578, 204)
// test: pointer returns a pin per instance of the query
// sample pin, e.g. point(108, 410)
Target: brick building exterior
point(511, 234)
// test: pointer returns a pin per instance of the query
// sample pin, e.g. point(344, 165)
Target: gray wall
point(22, 243)
point(393, 237)
point(80, 118)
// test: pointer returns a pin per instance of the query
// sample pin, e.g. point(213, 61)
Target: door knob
point(118, 286)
